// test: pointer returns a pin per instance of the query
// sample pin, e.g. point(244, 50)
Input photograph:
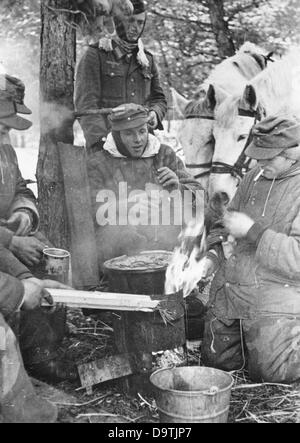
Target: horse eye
point(242, 137)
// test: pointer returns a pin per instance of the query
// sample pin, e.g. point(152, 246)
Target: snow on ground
point(28, 158)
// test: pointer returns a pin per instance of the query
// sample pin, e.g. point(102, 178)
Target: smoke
point(54, 117)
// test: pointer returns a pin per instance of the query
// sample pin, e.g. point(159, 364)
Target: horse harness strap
point(241, 166)
point(198, 166)
point(204, 117)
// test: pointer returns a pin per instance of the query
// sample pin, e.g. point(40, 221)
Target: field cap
point(273, 135)
point(128, 116)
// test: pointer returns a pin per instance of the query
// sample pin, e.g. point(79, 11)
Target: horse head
point(195, 132)
point(231, 133)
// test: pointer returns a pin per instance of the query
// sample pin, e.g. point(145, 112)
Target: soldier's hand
point(237, 223)
point(153, 120)
point(28, 250)
point(35, 292)
point(20, 223)
point(168, 178)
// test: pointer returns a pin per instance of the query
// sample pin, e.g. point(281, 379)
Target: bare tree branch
point(204, 25)
point(243, 8)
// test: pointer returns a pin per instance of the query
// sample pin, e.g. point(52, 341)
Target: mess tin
point(57, 264)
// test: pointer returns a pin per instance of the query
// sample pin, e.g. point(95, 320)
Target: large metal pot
point(144, 280)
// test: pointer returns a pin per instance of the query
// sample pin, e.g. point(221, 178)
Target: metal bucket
point(192, 395)
point(57, 264)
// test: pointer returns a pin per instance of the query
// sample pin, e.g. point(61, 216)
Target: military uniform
point(254, 309)
point(18, 400)
point(109, 79)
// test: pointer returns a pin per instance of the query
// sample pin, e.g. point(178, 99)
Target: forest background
point(188, 37)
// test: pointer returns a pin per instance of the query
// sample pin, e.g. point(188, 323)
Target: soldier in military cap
point(126, 74)
point(134, 158)
point(254, 314)
point(21, 245)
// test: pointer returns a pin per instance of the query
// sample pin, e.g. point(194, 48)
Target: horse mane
point(278, 86)
point(276, 90)
point(245, 61)
point(231, 73)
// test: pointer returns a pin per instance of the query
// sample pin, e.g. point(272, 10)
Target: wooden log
point(104, 300)
point(78, 201)
point(106, 369)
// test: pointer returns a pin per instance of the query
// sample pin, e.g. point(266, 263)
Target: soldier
point(134, 158)
point(254, 309)
point(126, 74)
point(21, 251)
point(18, 400)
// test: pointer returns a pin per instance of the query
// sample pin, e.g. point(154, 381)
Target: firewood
point(104, 300)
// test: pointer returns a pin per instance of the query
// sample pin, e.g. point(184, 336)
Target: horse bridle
point(242, 165)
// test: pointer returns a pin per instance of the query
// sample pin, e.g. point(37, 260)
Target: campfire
point(188, 263)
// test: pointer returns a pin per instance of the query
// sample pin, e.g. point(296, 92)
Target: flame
point(188, 265)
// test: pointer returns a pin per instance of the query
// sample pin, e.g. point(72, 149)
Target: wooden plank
point(104, 300)
point(106, 369)
point(77, 194)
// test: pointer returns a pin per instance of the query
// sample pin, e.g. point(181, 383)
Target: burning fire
point(188, 265)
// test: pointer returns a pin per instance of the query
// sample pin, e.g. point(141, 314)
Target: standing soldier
point(125, 74)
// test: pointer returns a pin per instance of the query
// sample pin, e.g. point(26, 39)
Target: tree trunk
point(57, 72)
point(220, 28)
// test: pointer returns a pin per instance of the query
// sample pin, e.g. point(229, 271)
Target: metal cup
point(57, 264)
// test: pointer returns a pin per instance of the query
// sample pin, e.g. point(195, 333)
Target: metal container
point(137, 281)
point(160, 336)
point(192, 395)
point(57, 264)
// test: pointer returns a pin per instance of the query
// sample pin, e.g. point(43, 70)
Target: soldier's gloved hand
point(153, 120)
point(237, 223)
point(27, 249)
point(210, 266)
point(20, 222)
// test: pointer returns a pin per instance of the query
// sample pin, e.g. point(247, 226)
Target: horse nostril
point(219, 200)
point(225, 198)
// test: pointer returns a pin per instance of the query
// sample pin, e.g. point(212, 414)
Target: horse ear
point(215, 96)
point(249, 100)
point(211, 98)
point(179, 102)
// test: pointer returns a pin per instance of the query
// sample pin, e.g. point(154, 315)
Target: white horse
point(275, 90)
point(196, 130)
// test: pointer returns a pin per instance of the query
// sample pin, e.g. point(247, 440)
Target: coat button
point(133, 94)
point(227, 285)
point(132, 80)
point(112, 74)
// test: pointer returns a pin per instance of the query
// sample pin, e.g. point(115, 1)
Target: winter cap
point(9, 117)
point(128, 116)
point(139, 6)
point(15, 88)
point(274, 135)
